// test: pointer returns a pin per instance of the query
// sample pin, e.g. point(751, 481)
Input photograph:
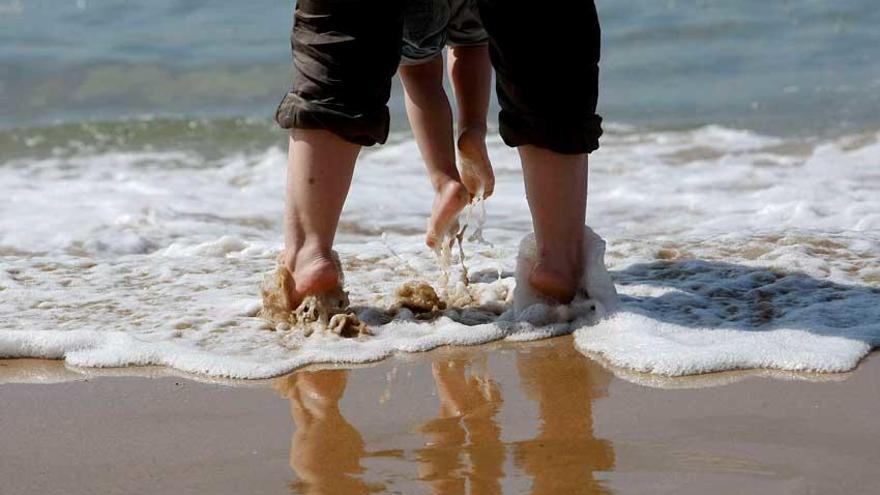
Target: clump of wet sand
point(327, 312)
point(419, 297)
point(425, 301)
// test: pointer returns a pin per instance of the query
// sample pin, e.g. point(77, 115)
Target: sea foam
point(695, 316)
point(728, 250)
point(262, 349)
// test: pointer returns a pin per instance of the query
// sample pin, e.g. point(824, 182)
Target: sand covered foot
point(327, 312)
point(450, 199)
point(324, 311)
point(538, 291)
point(311, 272)
point(476, 169)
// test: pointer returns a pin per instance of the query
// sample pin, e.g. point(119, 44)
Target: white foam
point(156, 257)
point(696, 316)
point(230, 342)
point(642, 343)
point(595, 282)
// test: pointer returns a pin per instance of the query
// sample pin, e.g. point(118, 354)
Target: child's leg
point(471, 75)
point(556, 189)
point(431, 119)
point(320, 167)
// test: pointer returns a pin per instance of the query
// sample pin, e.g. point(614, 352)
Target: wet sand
point(536, 418)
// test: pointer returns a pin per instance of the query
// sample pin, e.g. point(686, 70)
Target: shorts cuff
point(365, 129)
point(561, 137)
point(478, 42)
point(405, 60)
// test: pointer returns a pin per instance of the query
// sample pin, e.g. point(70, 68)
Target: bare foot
point(476, 170)
point(450, 199)
point(312, 272)
point(558, 281)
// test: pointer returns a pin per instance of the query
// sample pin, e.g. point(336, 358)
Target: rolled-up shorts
point(545, 55)
point(429, 25)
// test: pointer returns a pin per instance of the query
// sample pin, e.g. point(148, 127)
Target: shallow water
point(133, 256)
point(790, 67)
point(141, 192)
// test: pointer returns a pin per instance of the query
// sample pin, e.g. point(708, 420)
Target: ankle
point(568, 254)
point(305, 252)
point(442, 180)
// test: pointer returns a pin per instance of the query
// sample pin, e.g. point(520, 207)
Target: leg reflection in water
point(463, 450)
point(465, 444)
point(565, 455)
point(326, 450)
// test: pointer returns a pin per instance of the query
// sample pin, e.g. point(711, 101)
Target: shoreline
point(534, 417)
point(44, 371)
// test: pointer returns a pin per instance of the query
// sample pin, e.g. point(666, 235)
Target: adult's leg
point(345, 54)
point(546, 64)
point(556, 189)
point(319, 171)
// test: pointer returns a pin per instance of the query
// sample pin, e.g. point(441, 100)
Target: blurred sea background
point(790, 67)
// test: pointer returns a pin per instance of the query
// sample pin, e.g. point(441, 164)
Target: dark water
point(784, 67)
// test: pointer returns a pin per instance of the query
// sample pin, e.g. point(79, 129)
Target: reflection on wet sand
point(565, 455)
point(326, 450)
point(463, 450)
point(465, 429)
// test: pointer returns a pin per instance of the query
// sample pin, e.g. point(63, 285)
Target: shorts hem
point(408, 61)
point(365, 129)
point(567, 139)
point(482, 42)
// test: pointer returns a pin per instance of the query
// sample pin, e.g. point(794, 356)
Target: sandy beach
point(536, 418)
point(732, 223)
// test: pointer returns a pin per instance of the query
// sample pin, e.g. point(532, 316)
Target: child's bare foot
point(450, 199)
point(476, 170)
point(313, 271)
point(555, 279)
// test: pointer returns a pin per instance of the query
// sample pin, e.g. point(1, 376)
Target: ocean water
point(802, 67)
point(736, 191)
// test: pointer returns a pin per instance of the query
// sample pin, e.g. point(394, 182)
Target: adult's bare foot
point(555, 280)
point(476, 169)
point(450, 199)
point(313, 271)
